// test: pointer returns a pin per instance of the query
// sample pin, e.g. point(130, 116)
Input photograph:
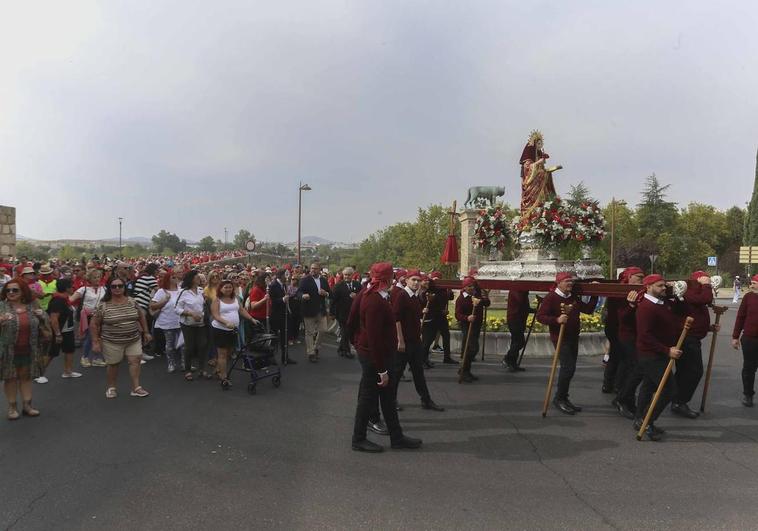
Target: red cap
point(381, 272)
point(651, 279)
point(424, 277)
point(468, 281)
point(401, 273)
point(563, 275)
point(754, 278)
point(435, 275)
point(413, 273)
point(630, 272)
point(356, 276)
point(697, 274)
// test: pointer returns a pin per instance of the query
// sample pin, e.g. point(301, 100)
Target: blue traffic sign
point(712, 261)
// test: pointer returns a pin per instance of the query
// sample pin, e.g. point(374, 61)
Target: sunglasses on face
point(117, 286)
point(13, 290)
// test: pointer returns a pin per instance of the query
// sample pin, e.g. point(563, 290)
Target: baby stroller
point(257, 358)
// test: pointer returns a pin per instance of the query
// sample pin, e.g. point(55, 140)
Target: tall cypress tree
point(750, 234)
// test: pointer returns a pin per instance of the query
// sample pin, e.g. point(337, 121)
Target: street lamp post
point(120, 252)
point(226, 239)
point(611, 264)
point(302, 188)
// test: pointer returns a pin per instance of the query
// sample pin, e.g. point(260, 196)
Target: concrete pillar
point(7, 232)
point(470, 255)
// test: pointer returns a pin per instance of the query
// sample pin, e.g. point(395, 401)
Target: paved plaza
point(194, 457)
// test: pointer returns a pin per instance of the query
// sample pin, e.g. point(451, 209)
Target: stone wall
point(7, 231)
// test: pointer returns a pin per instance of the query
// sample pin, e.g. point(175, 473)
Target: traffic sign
point(712, 261)
point(250, 246)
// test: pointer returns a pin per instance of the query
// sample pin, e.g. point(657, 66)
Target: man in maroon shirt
point(628, 377)
point(517, 313)
point(408, 313)
point(376, 342)
point(747, 325)
point(658, 326)
point(551, 314)
point(469, 312)
point(689, 368)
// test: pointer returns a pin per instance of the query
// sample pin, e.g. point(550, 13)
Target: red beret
point(651, 279)
point(435, 275)
point(356, 276)
point(754, 278)
point(424, 276)
point(630, 272)
point(381, 272)
point(563, 275)
point(401, 273)
point(468, 281)
point(413, 273)
point(697, 274)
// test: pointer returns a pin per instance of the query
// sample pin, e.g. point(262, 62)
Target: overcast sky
point(195, 116)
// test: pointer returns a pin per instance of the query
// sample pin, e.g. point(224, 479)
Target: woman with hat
point(23, 330)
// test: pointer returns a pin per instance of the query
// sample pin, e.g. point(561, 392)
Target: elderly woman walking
point(23, 329)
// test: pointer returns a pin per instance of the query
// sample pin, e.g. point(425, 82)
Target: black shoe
point(313, 358)
point(290, 361)
point(437, 349)
point(428, 365)
point(468, 374)
point(378, 427)
point(367, 446)
point(563, 407)
point(683, 410)
point(570, 404)
point(408, 443)
point(623, 410)
point(468, 378)
point(449, 361)
point(652, 433)
point(608, 389)
point(430, 404)
point(340, 354)
point(747, 401)
point(515, 368)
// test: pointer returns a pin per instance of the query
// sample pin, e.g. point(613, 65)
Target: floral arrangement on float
point(492, 230)
point(589, 226)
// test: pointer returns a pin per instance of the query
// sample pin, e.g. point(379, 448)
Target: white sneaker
point(147, 357)
point(142, 362)
point(41, 380)
point(71, 374)
point(84, 362)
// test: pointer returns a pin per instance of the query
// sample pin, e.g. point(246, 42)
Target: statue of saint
point(536, 180)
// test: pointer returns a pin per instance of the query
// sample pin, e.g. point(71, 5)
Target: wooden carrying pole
point(465, 346)
point(529, 334)
point(719, 311)
point(565, 310)
point(664, 379)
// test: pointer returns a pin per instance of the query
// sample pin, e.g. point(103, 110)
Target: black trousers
point(429, 333)
point(473, 342)
point(689, 370)
point(195, 346)
point(749, 364)
point(344, 345)
point(277, 327)
point(652, 370)
point(611, 373)
point(413, 357)
point(568, 355)
point(370, 395)
point(518, 340)
point(629, 374)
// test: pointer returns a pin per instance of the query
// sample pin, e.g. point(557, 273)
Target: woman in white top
point(189, 308)
point(226, 311)
point(164, 318)
point(90, 294)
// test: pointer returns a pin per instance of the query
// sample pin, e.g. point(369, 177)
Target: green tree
point(32, 252)
point(207, 244)
point(750, 235)
point(578, 194)
point(241, 238)
point(655, 215)
point(168, 240)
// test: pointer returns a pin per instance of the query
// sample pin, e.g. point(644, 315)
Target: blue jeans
point(87, 347)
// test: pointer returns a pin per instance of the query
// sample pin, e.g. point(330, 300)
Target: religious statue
point(536, 180)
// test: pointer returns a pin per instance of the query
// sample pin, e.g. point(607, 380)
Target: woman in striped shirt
point(116, 328)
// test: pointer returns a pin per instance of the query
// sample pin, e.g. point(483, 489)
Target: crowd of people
point(196, 315)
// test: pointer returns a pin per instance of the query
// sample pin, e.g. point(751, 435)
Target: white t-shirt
point(189, 301)
point(229, 312)
point(167, 319)
point(92, 296)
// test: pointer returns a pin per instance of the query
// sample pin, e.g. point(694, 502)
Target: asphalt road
point(194, 457)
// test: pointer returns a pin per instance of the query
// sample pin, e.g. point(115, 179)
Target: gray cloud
point(193, 116)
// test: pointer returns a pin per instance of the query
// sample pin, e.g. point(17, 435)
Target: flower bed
point(589, 323)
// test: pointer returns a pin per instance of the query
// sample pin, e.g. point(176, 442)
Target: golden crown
point(534, 136)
